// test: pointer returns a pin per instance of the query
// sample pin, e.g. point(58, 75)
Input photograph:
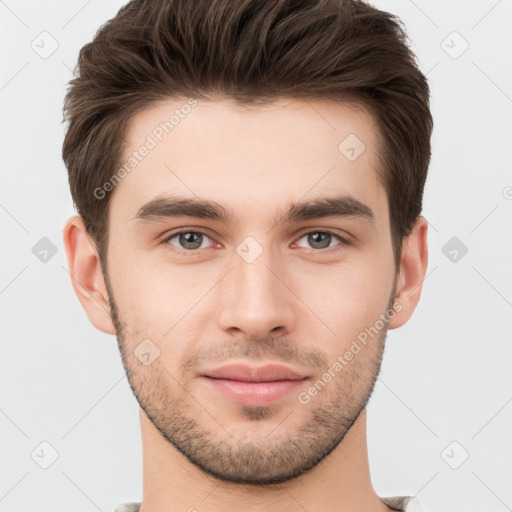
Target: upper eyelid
point(344, 239)
point(187, 230)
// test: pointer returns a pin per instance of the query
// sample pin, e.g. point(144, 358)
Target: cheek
point(141, 283)
point(347, 299)
point(163, 303)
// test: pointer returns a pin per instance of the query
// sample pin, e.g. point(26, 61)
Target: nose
point(256, 298)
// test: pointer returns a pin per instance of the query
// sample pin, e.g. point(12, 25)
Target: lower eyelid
point(342, 241)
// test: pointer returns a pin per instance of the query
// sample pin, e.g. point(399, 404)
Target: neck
point(339, 483)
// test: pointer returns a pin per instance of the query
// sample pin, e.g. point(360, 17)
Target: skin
point(294, 304)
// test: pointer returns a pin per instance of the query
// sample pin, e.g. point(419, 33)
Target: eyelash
point(191, 252)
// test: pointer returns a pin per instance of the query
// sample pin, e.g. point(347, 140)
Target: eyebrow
point(177, 206)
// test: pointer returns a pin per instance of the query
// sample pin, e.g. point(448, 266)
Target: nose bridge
point(254, 298)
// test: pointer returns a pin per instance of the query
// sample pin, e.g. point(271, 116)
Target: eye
point(189, 240)
point(322, 239)
point(192, 241)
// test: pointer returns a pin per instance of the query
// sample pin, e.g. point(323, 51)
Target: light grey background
point(445, 388)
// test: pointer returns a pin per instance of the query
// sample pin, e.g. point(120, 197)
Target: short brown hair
point(253, 52)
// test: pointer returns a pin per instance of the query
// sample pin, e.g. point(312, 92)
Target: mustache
point(278, 350)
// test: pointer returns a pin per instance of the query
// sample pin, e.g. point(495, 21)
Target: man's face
point(252, 289)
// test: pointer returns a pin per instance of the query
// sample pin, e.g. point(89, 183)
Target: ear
point(413, 267)
point(86, 274)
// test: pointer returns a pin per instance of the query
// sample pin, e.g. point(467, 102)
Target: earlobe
point(413, 268)
point(86, 274)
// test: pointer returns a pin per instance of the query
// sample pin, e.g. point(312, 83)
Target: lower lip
point(255, 393)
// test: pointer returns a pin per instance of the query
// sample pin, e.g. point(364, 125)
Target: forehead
point(256, 158)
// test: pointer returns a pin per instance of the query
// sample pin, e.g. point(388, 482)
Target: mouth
point(254, 393)
point(257, 386)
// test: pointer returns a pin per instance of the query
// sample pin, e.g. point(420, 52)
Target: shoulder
point(403, 503)
point(131, 506)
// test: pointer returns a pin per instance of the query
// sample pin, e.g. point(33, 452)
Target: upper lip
point(245, 373)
